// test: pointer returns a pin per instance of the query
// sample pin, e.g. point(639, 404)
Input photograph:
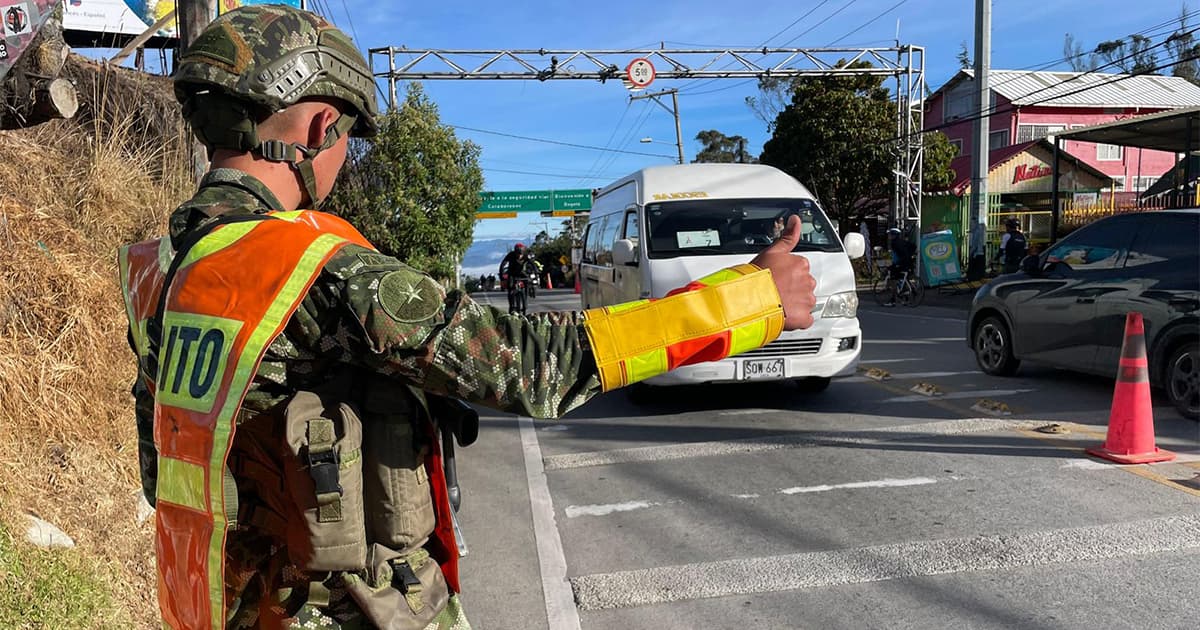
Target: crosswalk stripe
point(860, 565)
point(776, 442)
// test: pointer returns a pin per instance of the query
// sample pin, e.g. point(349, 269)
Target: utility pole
point(674, 109)
point(980, 147)
point(194, 15)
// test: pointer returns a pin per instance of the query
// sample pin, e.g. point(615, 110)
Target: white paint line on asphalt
point(556, 427)
point(860, 565)
point(981, 393)
point(746, 412)
point(909, 375)
point(776, 442)
point(574, 511)
point(552, 562)
point(879, 483)
point(747, 496)
point(1087, 464)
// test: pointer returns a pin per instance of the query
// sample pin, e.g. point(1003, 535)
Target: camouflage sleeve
point(143, 411)
point(446, 343)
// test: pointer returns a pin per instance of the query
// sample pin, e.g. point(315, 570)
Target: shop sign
point(939, 252)
point(1025, 172)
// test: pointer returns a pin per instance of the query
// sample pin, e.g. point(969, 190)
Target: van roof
point(715, 180)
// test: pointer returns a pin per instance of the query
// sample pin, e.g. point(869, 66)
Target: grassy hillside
point(70, 193)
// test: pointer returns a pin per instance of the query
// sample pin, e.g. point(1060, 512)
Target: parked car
point(1067, 306)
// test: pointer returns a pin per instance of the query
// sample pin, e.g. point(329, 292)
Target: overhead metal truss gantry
point(906, 64)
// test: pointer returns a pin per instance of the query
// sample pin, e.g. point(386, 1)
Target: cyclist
point(512, 270)
point(903, 253)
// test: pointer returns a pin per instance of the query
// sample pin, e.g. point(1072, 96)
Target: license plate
point(762, 368)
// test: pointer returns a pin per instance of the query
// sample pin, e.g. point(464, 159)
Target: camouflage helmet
point(271, 56)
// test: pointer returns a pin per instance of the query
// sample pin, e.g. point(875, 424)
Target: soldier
point(284, 434)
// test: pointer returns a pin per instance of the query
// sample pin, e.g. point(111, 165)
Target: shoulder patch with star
point(408, 296)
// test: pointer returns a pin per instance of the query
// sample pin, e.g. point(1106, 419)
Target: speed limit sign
point(640, 72)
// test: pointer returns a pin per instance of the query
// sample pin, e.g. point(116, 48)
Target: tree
point(1183, 50)
point(936, 173)
point(1078, 60)
point(963, 56)
point(413, 190)
point(774, 94)
point(719, 147)
point(838, 138)
point(1136, 56)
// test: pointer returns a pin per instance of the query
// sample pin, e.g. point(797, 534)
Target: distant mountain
point(484, 256)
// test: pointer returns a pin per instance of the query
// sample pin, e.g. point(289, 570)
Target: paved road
point(867, 506)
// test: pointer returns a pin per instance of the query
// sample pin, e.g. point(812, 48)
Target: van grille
point(786, 347)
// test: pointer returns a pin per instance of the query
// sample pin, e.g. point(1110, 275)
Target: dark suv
point(1067, 307)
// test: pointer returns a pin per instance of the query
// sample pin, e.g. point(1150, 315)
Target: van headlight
point(841, 305)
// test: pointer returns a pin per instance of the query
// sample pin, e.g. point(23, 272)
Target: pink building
point(1032, 105)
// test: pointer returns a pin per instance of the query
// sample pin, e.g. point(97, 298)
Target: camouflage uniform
point(370, 311)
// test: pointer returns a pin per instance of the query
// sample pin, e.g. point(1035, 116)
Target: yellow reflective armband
point(731, 311)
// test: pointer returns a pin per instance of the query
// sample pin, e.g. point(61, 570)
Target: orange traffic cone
point(1130, 437)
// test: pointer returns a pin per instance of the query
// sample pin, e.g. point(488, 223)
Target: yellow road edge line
point(1144, 471)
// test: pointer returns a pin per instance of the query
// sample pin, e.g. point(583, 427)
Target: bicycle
point(518, 290)
point(907, 290)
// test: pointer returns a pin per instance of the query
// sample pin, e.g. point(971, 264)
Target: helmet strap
point(299, 157)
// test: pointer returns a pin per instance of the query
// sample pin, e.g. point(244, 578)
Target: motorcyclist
point(512, 269)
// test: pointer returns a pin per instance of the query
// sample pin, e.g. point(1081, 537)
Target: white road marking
point(909, 375)
point(986, 393)
point(746, 412)
point(556, 427)
point(860, 565)
point(552, 562)
point(1087, 464)
point(776, 442)
point(880, 483)
point(574, 511)
point(746, 496)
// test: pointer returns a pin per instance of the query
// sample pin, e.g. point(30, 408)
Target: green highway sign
point(579, 200)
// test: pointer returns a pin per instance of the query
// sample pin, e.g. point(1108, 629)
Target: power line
point(701, 84)
point(869, 22)
point(814, 26)
point(559, 142)
point(794, 22)
point(611, 135)
point(575, 177)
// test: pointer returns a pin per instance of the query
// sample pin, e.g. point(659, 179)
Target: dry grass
point(70, 193)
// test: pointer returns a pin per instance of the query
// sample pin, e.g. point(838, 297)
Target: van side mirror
point(856, 245)
point(624, 252)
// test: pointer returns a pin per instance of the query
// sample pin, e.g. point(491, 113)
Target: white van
point(663, 227)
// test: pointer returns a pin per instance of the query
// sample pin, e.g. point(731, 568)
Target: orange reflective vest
point(232, 295)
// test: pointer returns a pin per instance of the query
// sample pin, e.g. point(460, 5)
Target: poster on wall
point(939, 254)
point(22, 20)
point(133, 17)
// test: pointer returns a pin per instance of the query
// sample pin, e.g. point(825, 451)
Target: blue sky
point(1025, 33)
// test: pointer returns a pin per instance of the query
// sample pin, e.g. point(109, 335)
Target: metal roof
point(1071, 89)
point(1164, 131)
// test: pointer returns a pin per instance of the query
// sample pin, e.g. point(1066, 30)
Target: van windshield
point(715, 227)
